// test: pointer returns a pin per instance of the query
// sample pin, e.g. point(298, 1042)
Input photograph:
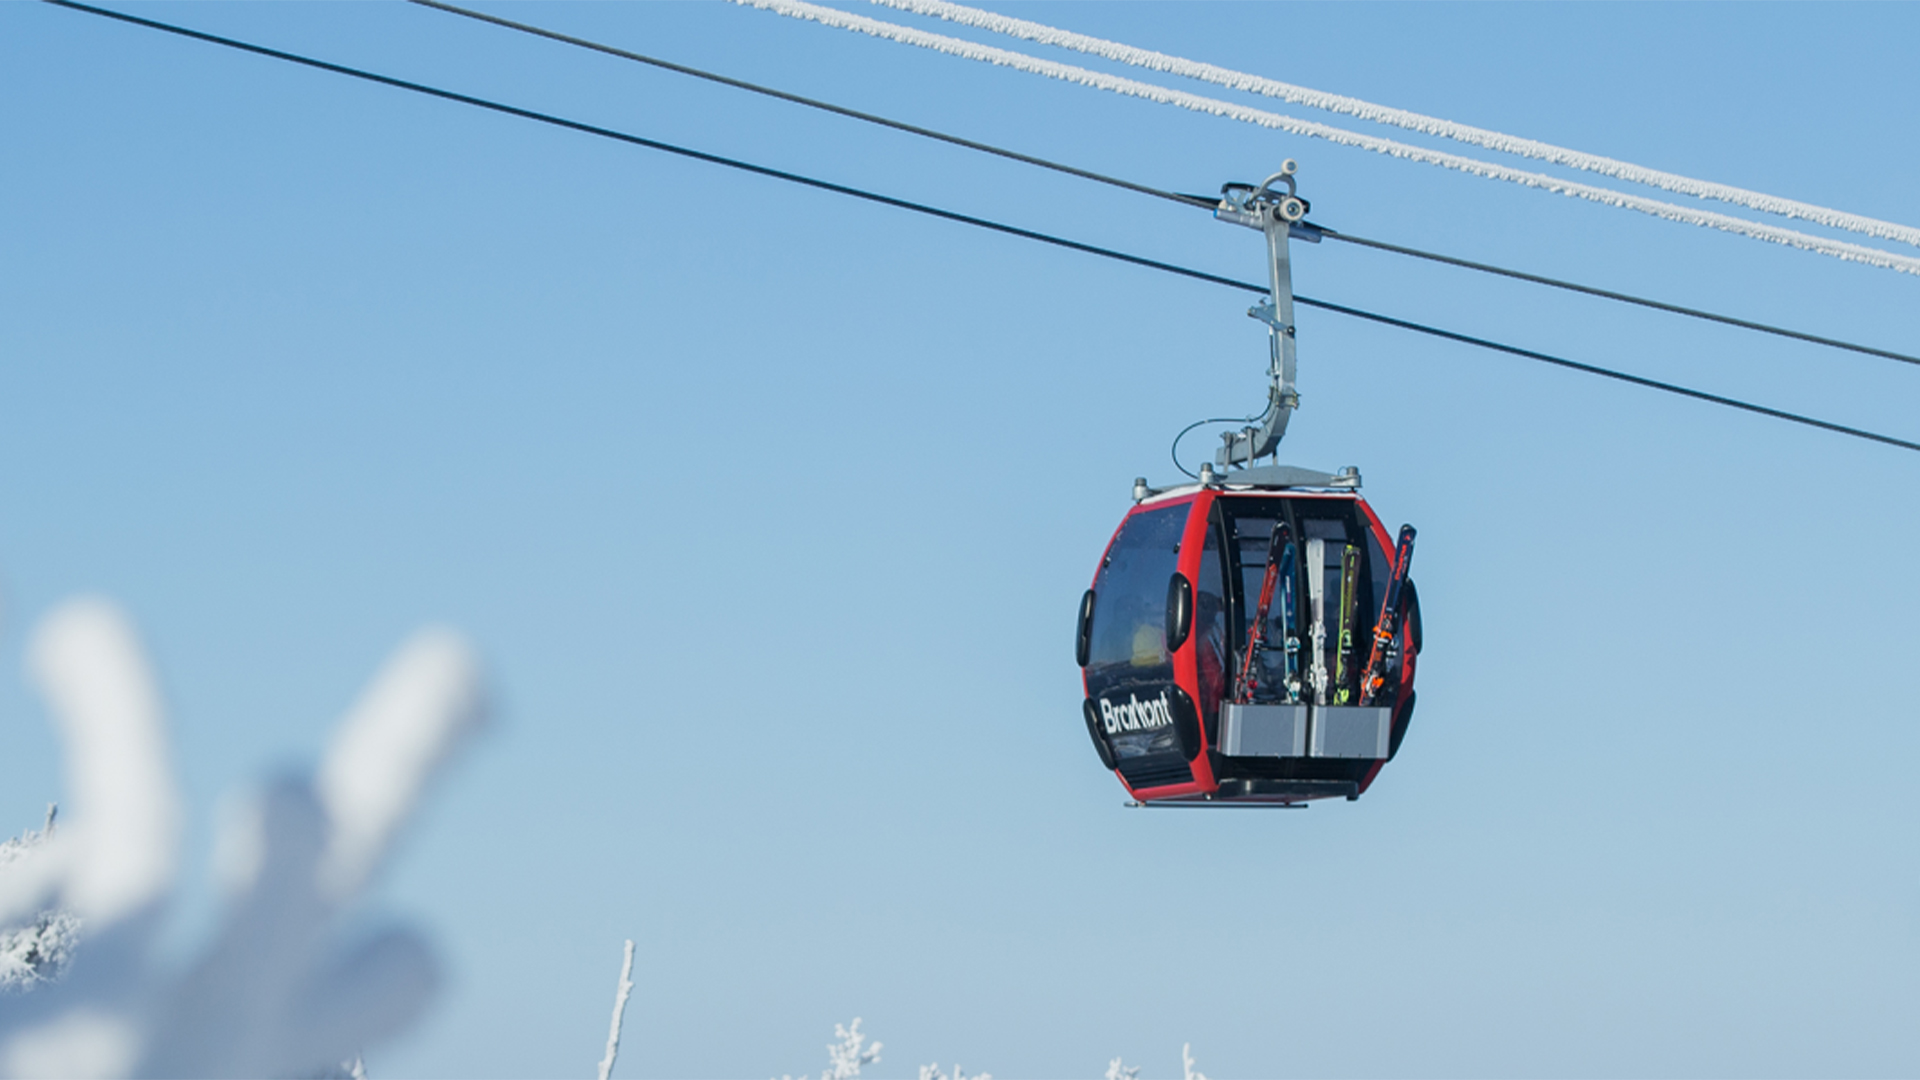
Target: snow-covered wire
point(826, 16)
point(18, 897)
point(1042, 34)
point(619, 1012)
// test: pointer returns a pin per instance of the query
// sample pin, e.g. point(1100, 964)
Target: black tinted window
point(1130, 602)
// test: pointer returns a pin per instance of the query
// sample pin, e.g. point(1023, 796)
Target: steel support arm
point(1274, 215)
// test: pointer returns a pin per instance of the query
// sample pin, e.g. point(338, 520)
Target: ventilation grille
point(1155, 771)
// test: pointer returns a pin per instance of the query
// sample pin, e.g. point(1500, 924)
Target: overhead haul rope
point(965, 219)
point(1042, 34)
point(1143, 189)
point(1019, 61)
point(1625, 298)
point(815, 103)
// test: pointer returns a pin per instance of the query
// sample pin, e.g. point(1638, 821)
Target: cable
point(651, 144)
point(1042, 34)
point(1128, 185)
point(1625, 298)
point(815, 103)
point(1486, 170)
point(1575, 365)
point(949, 215)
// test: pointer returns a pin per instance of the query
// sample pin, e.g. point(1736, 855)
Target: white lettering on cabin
point(1136, 715)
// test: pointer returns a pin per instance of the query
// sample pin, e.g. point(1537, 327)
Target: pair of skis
point(1349, 616)
point(1279, 573)
point(1373, 676)
point(1388, 624)
point(1340, 681)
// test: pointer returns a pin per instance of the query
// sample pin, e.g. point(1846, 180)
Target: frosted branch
point(276, 992)
point(620, 993)
point(846, 1056)
point(932, 1072)
point(1186, 1063)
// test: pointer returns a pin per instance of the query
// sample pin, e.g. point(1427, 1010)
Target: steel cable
point(816, 103)
point(1146, 189)
point(949, 215)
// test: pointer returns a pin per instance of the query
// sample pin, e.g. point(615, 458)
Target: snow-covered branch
point(620, 993)
point(275, 993)
point(932, 1072)
point(846, 1055)
point(39, 951)
point(1186, 1063)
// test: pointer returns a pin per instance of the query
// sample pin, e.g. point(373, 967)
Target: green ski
point(1343, 672)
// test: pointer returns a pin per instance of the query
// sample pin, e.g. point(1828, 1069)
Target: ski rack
point(1279, 217)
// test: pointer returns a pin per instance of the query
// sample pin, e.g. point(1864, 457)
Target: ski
point(1343, 680)
point(1384, 629)
point(1290, 611)
point(1279, 560)
point(1317, 602)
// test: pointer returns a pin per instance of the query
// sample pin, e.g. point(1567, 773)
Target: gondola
point(1251, 636)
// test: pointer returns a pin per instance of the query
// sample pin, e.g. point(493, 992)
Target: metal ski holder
point(1279, 217)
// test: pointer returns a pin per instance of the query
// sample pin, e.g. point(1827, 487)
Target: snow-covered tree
point(1119, 1070)
point(847, 1053)
point(276, 993)
point(932, 1072)
point(37, 952)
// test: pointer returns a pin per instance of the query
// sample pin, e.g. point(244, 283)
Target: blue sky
point(770, 511)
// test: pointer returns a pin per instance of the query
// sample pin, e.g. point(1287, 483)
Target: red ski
point(1278, 548)
point(1384, 628)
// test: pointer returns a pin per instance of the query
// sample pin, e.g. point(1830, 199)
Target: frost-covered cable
point(1185, 200)
point(13, 893)
point(1018, 61)
point(1042, 34)
point(812, 103)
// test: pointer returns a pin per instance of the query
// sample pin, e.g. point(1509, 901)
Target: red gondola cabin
point(1189, 701)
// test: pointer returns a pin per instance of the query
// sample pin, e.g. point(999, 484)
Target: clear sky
point(770, 510)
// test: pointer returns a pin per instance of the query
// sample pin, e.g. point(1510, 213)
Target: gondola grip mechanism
point(1278, 216)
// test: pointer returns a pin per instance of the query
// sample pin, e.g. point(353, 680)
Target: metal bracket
point(1284, 476)
point(1278, 216)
